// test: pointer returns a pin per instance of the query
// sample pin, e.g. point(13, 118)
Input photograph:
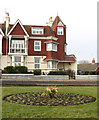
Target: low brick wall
point(35, 77)
point(87, 77)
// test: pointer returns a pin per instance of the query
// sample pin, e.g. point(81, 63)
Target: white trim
point(18, 21)
point(17, 53)
point(1, 32)
point(50, 37)
point(51, 42)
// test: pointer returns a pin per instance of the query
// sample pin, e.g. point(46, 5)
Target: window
point(37, 30)
point(10, 61)
point(59, 30)
point(0, 62)
point(54, 47)
point(49, 64)
point(37, 45)
point(51, 47)
point(65, 48)
point(37, 62)
point(17, 61)
point(17, 46)
point(52, 64)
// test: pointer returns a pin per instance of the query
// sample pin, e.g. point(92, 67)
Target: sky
point(79, 16)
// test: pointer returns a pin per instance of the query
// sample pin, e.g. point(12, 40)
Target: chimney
point(7, 21)
point(50, 21)
point(93, 61)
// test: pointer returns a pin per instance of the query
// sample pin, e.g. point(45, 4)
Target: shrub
point(86, 72)
point(37, 72)
point(16, 69)
point(57, 73)
point(90, 73)
point(9, 69)
point(20, 69)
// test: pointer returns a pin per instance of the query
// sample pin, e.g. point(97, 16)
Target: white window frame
point(50, 64)
point(0, 62)
point(60, 31)
point(0, 44)
point(51, 47)
point(37, 30)
point(17, 63)
point(37, 63)
point(54, 47)
point(35, 49)
point(18, 46)
point(65, 48)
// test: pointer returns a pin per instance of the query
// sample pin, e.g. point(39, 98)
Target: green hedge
point(37, 72)
point(9, 69)
point(16, 69)
point(90, 72)
point(57, 73)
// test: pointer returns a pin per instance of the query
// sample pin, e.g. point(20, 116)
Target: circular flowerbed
point(59, 99)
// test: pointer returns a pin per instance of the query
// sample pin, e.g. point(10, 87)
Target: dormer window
point(60, 31)
point(37, 30)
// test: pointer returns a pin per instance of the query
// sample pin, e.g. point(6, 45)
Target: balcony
point(22, 51)
point(17, 50)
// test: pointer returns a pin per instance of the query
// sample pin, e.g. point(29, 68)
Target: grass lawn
point(11, 110)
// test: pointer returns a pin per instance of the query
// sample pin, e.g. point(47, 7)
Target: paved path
point(48, 82)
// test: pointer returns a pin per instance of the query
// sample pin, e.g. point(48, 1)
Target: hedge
point(16, 69)
point(37, 72)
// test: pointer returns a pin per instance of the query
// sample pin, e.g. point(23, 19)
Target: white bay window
point(17, 46)
point(51, 47)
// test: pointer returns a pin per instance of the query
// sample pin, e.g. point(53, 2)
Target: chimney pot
point(93, 61)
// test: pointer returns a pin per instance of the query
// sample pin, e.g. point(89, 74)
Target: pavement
point(32, 82)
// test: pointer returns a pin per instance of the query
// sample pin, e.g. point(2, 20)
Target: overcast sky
point(80, 17)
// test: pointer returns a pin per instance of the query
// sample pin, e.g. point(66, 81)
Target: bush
point(9, 69)
point(87, 72)
point(37, 72)
point(16, 69)
point(20, 69)
point(57, 73)
point(90, 73)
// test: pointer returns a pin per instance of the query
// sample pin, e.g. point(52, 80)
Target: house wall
point(66, 66)
point(3, 61)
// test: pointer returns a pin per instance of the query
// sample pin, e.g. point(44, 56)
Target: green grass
point(11, 110)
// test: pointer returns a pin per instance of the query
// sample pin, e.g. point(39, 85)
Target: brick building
point(36, 47)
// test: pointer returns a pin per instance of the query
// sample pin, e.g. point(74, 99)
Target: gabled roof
point(16, 23)
point(88, 66)
point(57, 21)
point(1, 32)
